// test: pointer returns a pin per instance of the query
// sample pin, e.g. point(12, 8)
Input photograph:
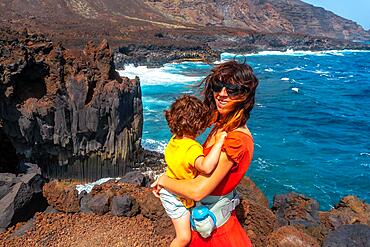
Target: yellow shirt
point(180, 156)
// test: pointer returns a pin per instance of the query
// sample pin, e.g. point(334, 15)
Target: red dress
point(239, 147)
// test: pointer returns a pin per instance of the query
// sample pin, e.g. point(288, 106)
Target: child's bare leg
point(183, 232)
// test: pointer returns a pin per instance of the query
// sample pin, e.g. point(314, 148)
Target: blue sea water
point(311, 121)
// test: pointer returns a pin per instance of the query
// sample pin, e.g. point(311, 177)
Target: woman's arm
point(206, 164)
point(199, 187)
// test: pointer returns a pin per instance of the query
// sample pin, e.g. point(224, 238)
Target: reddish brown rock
point(247, 189)
point(289, 236)
point(295, 209)
point(350, 210)
point(257, 220)
point(63, 196)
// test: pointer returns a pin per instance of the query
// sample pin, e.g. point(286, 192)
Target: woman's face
point(223, 101)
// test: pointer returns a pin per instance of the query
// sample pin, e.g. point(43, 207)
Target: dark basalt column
point(8, 157)
point(68, 111)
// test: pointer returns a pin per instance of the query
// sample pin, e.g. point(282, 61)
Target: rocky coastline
point(124, 212)
point(70, 113)
point(168, 47)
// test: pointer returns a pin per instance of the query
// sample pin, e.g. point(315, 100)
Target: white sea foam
point(295, 89)
point(149, 99)
point(285, 79)
point(154, 145)
point(168, 74)
point(290, 52)
point(89, 186)
point(365, 154)
point(269, 70)
point(293, 69)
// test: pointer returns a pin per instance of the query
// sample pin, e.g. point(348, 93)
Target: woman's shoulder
point(240, 133)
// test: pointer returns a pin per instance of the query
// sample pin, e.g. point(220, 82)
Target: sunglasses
point(231, 89)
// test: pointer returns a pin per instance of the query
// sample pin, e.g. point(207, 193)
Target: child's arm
point(206, 164)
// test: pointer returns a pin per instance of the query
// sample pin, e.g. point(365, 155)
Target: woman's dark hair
point(187, 116)
point(238, 74)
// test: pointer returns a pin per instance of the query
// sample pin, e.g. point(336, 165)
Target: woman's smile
point(222, 99)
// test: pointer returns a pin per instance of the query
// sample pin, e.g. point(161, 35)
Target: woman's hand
point(156, 187)
point(220, 137)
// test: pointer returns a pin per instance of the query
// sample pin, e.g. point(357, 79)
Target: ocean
point(311, 121)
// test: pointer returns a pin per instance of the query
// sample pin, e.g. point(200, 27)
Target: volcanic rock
point(247, 189)
point(99, 204)
point(62, 196)
point(135, 177)
point(350, 210)
point(70, 107)
point(124, 206)
point(289, 236)
point(258, 220)
point(297, 210)
point(357, 235)
point(21, 199)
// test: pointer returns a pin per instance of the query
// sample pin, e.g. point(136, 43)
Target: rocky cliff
point(265, 16)
point(141, 22)
point(68, 111)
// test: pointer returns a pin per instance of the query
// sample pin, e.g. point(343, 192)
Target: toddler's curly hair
point(187, 116)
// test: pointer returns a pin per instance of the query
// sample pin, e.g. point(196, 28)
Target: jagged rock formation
point(66, 110)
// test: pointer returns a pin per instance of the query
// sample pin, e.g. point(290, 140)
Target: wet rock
point(297, 210)
point(99, 204)
point(63, 196)
point(124, 206)
point(257, 220)
point(247, 189)
point(289, 236)
point(356, 235)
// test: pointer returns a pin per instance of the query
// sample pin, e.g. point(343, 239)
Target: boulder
point(62, 195)
point(257, 220)
point(297, 210)
point(6, 182)
point(124, 205)
point(350, 210)
point(99, 204)
point(247, 189)
point(22, 200)
point(289, 236)
point(135, 177)
point(356, 235)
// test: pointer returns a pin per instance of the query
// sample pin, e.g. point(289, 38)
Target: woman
point(230, 93)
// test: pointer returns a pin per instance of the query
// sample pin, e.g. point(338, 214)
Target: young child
point(187, 118)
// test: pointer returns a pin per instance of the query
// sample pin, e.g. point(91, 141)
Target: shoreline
point(267, 52)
